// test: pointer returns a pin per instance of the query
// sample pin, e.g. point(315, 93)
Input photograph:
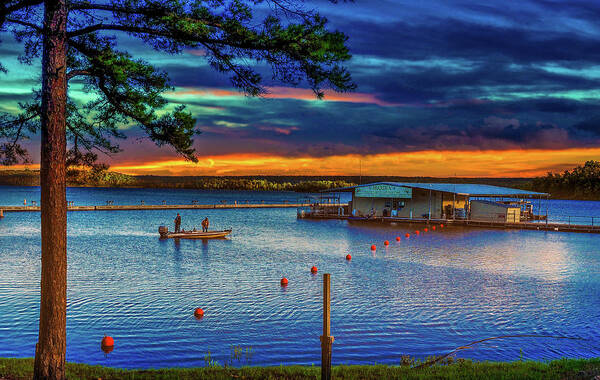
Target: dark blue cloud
point(459, 74)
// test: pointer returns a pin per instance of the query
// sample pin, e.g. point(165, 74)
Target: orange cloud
point(196, 52)
point(332, 96)
point(288, 93)
point(491, 163)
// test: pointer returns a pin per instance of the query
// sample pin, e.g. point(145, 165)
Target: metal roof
point(469, 189)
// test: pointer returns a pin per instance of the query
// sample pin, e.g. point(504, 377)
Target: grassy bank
point(462, 369)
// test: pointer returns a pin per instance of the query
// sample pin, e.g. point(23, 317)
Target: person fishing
point(177, 222)
point(205, 224)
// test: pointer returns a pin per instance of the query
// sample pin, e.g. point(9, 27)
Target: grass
point(16, 369)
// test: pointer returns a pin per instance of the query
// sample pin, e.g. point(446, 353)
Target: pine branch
point(73, 73)
point(25, 23)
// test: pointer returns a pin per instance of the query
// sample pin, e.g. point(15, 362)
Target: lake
point(422, 296)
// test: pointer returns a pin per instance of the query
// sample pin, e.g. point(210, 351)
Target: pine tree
point(78, 41)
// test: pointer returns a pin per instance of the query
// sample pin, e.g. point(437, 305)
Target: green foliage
point(460, 369)
point(100, 178)
point(582, 182)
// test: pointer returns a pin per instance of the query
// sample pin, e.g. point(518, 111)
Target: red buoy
point(386, 243)
point(373, 247)
point(433, 228)
point(107, 344)
point(284, 281)
point(417, 232)
point(398, 238)
point(198, 313)
point(313, 270)
point(441, 225)
point(348, 257)
point(407, 235)
point(425, 229)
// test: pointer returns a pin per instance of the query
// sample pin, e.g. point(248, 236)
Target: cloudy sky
point(445, 88)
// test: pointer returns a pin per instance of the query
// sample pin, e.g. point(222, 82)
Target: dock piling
point(326, 338)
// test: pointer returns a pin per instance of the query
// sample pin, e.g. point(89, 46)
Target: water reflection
point(420, 296)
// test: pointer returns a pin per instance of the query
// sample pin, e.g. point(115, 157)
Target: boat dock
point(193, 206)
point(539, 226)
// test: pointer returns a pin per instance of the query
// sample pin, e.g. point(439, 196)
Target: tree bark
point(51, 347)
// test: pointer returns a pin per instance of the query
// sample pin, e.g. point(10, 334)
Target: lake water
point(425, 295)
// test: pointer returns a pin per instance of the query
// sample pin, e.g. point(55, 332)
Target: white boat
point(165, 234)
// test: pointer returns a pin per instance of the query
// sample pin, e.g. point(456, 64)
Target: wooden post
point(429, 217)
point(547, 196)
point(326, 338)
point(454, 206)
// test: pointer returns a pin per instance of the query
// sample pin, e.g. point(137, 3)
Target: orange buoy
point(348, 257)
point(373, 247)
point(284, 281)
point(398, 238)
point(407, 235)
point(433, 228)
point(198, 313)
point(417, 232)
point(425, 229)
point(313, 270)
point(107, 344)
point(386, 243)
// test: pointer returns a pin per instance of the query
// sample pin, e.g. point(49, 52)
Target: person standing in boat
point(205, 224)
point(177, 222)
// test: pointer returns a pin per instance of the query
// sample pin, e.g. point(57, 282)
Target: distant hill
point(87, 178)
point(582, 182)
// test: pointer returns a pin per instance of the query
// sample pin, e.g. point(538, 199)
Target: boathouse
point(441, 201)
point(495, 211)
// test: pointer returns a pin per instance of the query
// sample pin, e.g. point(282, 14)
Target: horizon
point(460, 90)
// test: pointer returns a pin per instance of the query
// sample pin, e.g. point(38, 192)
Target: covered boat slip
point(444, 201)
point(472, 205)
point(406, 201)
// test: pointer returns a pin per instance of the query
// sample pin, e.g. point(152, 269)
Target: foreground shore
point(16, 369)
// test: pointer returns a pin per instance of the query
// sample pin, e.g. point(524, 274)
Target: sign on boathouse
point(383, 191)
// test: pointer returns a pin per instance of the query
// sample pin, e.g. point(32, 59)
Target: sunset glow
point(459, 90)
point(510, 163)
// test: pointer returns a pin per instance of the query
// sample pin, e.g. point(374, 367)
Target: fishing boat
point(165, 234)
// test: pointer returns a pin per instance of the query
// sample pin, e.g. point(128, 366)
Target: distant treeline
point(184, 181)
point(104, 178)
point(236, 183)
point(96, 178)
point(582, 182)
point(99, 178)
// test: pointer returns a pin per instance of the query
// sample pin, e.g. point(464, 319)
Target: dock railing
point(571, 220)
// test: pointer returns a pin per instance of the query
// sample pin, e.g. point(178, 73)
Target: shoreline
point(22, 368)
point(95, 186)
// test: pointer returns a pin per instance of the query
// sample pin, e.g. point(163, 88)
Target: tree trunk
point(51, 347)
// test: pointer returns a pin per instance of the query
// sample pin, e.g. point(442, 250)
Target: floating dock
point(159, 207)
point(540, 226)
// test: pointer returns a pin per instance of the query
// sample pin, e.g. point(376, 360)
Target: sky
point(445, 88)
